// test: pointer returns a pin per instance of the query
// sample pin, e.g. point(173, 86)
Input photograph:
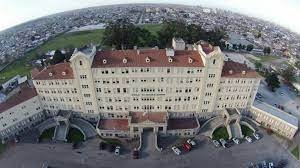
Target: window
point(88, 103)
point(82, 76)
point(85, 86)
point(80, 62)
point(87, 95)
point(214, 61)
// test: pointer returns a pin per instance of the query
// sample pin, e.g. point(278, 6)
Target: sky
point(282, 12)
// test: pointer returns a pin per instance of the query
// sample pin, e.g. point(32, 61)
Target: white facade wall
point(20, 116)
point(57, 95)
point(236, 92)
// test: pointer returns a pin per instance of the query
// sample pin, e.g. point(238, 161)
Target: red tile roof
point(113, 124)
point(157, 58)
point(56, 70)
point(23, 95)
point(235, 70)
point(182, 123)
point(158, 117)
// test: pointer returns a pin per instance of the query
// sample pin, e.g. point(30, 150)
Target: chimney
point(135, 47)
point(230, 72)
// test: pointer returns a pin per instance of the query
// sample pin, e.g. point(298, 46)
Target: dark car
point(111, 148)
point(102, 145)
point(135, 154)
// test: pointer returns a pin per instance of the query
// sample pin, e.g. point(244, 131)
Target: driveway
point(61, 155)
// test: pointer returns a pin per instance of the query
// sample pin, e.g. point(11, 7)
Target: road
point(288, 100)
point(26, 155)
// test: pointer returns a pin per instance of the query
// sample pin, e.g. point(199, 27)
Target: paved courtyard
point(25, 155)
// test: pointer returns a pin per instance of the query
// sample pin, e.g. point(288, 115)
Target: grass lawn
point(220, 133)
point(74, 135)
point(266, 58)
point(295, 152)
point(22, 66)
point(246, 130)
point(2, 147)
point(47, 134)
point(112, 141)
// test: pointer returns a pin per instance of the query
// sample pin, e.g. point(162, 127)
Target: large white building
point(128, 90)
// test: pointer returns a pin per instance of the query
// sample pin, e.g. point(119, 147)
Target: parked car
point(264, 164)
point(187, 147)
point(271, 165)
point(117, 150)
point(135, 154)
point(176, 150)
point(248, 139)
point(216, 143)
point(281, 93)
point(102, 145)
point(282, 164)
point(223, 142)
point(191, 142)
point(256, 136)
point(236, 140)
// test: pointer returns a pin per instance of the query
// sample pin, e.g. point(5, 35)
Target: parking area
point(27, 155)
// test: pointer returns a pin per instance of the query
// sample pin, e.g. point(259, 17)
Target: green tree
point(258, 65)
point(297, 64)
point(272, 81)
point(267, 50)
point(288, 74)
point(58, 57)
point(249, 47)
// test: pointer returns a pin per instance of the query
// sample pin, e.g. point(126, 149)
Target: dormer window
point(50, 73)
point(244, 72)
point(63, 73)
point(147, 59)
point(190, 60)
point(124, 60)
point(170, 59)
point(104, 61)
point(230, 72)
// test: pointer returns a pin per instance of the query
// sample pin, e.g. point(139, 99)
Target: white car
point(191, 142)
point(248, 139)
point(117, 150)
point(216, 143)
point(236, 140)
point(223, 142)
point(256, 136)
point(176, 150)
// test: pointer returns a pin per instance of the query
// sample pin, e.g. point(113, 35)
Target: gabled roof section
point(57, 71)
point(23, 95)
point(237, 70)
point(137, 58)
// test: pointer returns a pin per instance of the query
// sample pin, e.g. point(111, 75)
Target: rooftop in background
point(137, 58)
point(182, 123)
point(206, 47)
point(157, 117)
point(57, 71)
point(23, 95)
point(276, 112)
point(113, 124)
point(237, 70)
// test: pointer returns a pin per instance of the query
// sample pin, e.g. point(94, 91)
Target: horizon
point(286, 19)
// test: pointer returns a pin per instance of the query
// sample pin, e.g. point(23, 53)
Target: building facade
point(108, 87)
